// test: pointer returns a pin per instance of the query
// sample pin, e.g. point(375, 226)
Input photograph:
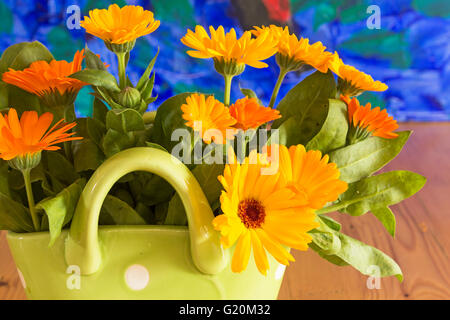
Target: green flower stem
point(121, 57)
point(228, 80)
point(276, 90)
point(31, 204)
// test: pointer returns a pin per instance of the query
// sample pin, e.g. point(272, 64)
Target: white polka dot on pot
point(137, 277)
point(22, 279)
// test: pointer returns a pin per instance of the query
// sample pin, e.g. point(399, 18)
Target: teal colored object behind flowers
point(410, 52)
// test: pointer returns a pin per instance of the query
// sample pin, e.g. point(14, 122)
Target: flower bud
point(27, 161)
point(130, 98)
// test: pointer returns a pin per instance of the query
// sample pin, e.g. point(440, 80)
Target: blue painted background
point(411, 51)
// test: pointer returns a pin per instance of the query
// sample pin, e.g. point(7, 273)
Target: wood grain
point(421, 247)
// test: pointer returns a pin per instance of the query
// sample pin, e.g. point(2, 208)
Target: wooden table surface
point(421, 247)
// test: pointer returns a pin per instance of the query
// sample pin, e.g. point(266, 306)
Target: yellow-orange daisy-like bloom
point(311, 175)
point(117, 25)
point(366, 121)
point(293, 52)
point(31, 134)
point(249, 114)
point(49, 81)
point(205, 114)
point(353, 82)
point(261, 214)
point(226, 47)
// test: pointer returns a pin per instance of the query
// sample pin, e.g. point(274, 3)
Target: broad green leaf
point(168, 118)
point(364, 258)
point(4, 178)
point(14, 216)
point(22, 100)
point(206, 176)
point(4, 100)
point(146, 74)
point(124, 121)
point(99, 110)
point(93, 61)
point(96, 130)
point(387, 218)
point(115, 141)
point(307, 102)
point(97, 78)
point(380, 191)
point(362, 159)
point(60, 209)
point(333, 134)
point(9, 55)
point(117, 212)
point(57, 166)
point(86, 155)
point(21, 55)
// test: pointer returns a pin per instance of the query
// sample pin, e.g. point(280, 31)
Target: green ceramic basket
point(138, 262)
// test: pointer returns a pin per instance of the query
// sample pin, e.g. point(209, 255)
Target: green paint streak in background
point(433, 8)
point(179, 11)
point(6, 19)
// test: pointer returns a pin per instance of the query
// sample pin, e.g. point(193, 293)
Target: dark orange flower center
point(252, 213)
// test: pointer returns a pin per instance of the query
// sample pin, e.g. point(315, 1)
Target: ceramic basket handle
point(82, 247)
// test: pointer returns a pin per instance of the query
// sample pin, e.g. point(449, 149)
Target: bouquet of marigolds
point(271, 174)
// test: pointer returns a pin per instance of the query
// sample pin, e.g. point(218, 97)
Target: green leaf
point(125, 120)
point(115, 141)
point(206, 176)
point(19, 56)
point(151, 189)
point(96, 130)
point(362, 159)
point(92, 60)
point(57, 166)
point(14, 216)
point(4, 100)
point(147, 91)
point(99, 110)
point(119, 212)
point(307, 103)
point(250, 94)
point(155, 145)
point(60, 209)
point(333, 134)
point(86, 155)
point(4, 180)
point(353, 252)
point(380, 191)
point(169, 118)
point(331, 223)
point(387, 218)
point(97, 78)
point(146, 74)
point(22, 100)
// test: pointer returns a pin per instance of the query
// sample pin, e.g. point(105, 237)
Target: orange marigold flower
point(261, 214)
point(117, 25)
point(311, 175)
point(206, 114)
point(226, 47)
point(49, 81)
point(250, 114)
point(366, 121)
point(31, 134)
point(293, 52)
point(353, 82)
